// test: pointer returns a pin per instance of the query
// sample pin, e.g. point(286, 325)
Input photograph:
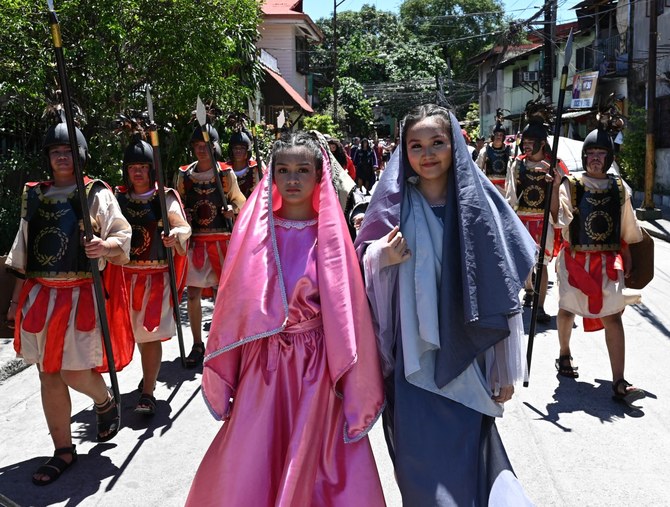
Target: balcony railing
point(611, 56)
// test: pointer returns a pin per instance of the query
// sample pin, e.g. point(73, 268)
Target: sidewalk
point(656, 228)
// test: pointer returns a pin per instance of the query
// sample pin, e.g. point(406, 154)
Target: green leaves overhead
point(183, 48)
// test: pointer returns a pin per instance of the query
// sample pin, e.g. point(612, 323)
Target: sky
point(518, 9)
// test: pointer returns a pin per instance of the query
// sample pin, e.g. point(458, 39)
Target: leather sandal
point(196, 355)
point(565, 367)
point(54, 467)
point(625, 391)
point(146, 405)
point(108, 419)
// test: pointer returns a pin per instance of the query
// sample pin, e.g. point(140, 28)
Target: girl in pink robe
point(292, 344)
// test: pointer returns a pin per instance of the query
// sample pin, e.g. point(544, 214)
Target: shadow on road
point(572, 396)
point(649, 316)
point(77, 484)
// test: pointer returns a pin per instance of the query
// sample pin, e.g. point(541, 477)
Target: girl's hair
point(299, 140)
point(422, 112)
point(339, 153)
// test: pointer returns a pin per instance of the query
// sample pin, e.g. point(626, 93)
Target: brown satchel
point(642, 254)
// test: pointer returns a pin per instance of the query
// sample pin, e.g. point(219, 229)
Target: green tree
point(373, 47)
point(459, 28)
point(112, 50)
point(322, 122)
point(634, 148)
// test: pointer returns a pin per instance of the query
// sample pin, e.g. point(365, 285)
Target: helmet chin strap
point(537, 146)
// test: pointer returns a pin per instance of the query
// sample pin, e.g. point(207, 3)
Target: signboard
point(584, 89)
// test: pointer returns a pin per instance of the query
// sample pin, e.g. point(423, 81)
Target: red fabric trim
point(591, 282)
point(25, 290)
point(118, 317)
point(37, 314)
point(55, 339)
point(152, 315)
point(86, 313)
point(137, 297)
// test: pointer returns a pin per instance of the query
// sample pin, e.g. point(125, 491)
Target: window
point(517, 76)
point(301, 55)
point(584, 58)
point(492, 83)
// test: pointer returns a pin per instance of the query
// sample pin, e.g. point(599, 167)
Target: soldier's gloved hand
point(169, 241)
point(97, 248)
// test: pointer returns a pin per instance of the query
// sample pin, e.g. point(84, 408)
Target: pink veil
point(252, 304)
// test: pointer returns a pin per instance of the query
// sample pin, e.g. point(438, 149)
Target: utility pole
point(649, 210)
point(336, 4)
point(549, 42)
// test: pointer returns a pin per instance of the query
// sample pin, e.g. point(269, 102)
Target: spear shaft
point(547, 204)
point(153, 131)
point(83, 202)
point(201, 115)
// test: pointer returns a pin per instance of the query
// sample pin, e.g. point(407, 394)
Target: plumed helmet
point(534, 130)
point(213, 137)
point(138, 152)
point(58, 135)
point(499, 128)
point(599, 138)
point(240, 138)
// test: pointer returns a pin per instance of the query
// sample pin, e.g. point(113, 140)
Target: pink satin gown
point(284, 442)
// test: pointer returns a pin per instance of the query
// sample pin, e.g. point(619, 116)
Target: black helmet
point(499, 128)
point(599, 138)
point(57, 135)
point(213, 137)
point(138, 152)
point(238, 138)
point(536, 130)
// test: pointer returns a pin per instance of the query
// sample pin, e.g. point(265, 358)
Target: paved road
point(570, 443)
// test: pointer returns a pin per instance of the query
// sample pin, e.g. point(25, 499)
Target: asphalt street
point(569, 442)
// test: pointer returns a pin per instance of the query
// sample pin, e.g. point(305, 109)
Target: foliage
point(356, 105)
point(461, 29)
point(373, 47)
point(631, 158)
point(112, 50)
point(472, 121)
point(323, 123)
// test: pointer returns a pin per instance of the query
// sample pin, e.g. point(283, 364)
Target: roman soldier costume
point(146, 275)
point(203, 204)
point(56, 321)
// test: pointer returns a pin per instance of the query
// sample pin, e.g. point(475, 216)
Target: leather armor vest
point(144, 216)
point(496, 161)
point(248, 181)
point(596, 223)
point(55, 235)
point(203, 200)
point(530, 189)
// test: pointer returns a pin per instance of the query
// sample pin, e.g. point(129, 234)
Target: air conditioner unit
point(531, 76)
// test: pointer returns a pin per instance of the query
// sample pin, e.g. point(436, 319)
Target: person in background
point(495, 157)
point(594, 211)
point(146, 275)
point(203, 204)
point(525, 192)
point(366, 164)
point(336, 148)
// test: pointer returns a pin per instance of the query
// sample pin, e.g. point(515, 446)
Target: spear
point(547, 204)
point(81, 192)
point(166, 224)
point(201, 115)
